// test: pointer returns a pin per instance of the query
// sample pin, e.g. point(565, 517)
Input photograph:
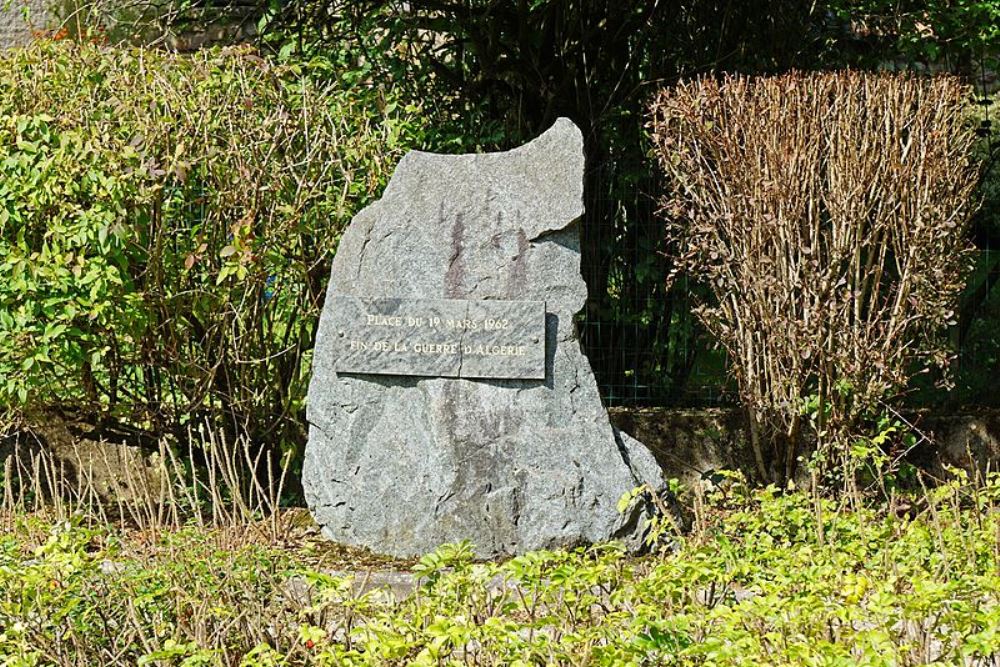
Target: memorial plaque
point(439, 337)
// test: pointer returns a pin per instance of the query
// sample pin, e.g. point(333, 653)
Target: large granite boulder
point(403, 464)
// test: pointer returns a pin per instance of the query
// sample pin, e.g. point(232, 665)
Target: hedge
point(166, 226)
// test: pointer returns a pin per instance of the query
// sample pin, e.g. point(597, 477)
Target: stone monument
point(450, 398)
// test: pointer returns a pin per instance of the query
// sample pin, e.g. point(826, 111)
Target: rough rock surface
point(401, 465)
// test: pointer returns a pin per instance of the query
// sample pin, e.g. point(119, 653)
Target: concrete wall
point(16, 29)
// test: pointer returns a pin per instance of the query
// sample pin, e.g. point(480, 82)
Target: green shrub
point(166, 226)
point(765, 579)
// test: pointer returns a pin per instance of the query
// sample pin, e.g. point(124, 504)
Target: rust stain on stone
point(455, 275)
point(519, 269)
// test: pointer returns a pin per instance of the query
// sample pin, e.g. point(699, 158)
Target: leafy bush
point(764, 579)
point(166, 226)
point(827, 213)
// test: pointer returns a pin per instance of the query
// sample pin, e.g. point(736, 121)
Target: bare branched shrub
point(827, 213)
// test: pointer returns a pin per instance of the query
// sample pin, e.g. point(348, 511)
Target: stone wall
point(691, 443)
point(236, 23)
point(21, 20)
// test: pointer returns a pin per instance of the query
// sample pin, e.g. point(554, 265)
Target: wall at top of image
point(21, 19)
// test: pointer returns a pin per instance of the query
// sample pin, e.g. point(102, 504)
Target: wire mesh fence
point(976, 337)
point(643, 340)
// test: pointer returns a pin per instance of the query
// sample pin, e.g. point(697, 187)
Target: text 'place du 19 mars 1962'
point(439, 337)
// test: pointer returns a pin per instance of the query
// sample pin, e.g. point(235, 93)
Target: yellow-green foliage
point(755, 584)
point(166, 225)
